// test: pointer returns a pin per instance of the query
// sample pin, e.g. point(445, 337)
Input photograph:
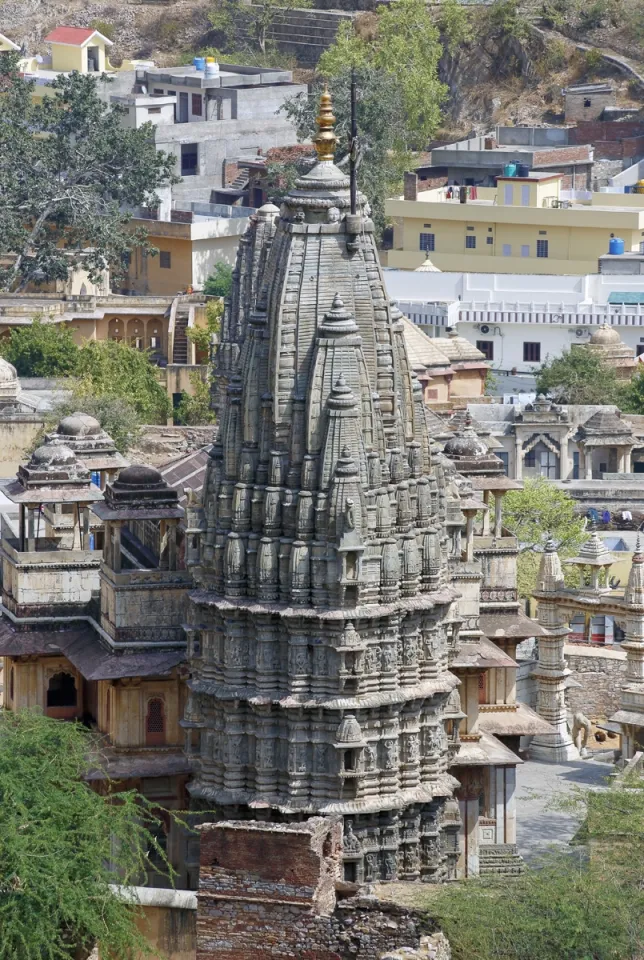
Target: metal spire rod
point(353, 144)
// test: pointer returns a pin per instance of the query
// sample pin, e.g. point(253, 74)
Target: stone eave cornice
point(573, 600)
point(369, 701)
point(366, 611)
point(443, 786)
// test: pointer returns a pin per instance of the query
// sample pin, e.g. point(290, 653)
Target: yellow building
point(78, 48)
point(520, 226)
point(188, 252)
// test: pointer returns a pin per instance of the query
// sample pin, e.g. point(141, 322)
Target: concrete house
point(78, 48)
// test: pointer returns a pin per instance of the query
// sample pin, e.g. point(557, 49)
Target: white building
point(519, 320)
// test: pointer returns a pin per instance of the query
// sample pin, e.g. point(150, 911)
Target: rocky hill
point(511, 69)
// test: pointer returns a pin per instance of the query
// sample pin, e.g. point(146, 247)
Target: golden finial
point(326, 139)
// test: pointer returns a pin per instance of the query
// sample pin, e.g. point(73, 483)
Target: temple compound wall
point(269, 891)
point(601, 674)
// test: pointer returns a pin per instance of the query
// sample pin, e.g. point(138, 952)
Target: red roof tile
point(74, 36)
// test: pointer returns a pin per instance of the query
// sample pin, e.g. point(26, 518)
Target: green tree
point(41, 349)
point(220, 281)
point(631, 394)
point(406, 46)
point(455, 24)
point(569, 906)
point(111, 368)
point(194, 408)
point(68, 170)
point(578, 376)
point(538, 513)
point(62, 845)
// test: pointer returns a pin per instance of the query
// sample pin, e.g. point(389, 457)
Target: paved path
point(539, 826)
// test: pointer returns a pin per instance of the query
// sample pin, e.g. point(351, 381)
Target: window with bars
point(155, 723)
point(532, 353)
point(427, 242)
point(165, 259)
point(197, 104)
point(470, 242)
point(486, 347)
point(542, 248)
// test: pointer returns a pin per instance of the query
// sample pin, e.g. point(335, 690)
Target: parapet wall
point(269, 891)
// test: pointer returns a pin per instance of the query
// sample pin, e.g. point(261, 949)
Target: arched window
point(155, 723)
point(61, 691)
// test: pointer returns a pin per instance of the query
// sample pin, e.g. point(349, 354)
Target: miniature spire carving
point(634, 593)
point(550, 573)
point(326, 140)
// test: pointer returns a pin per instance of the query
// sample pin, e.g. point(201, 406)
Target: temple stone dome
point(466, 444)
point(52, 454)
point(79, 425)
point(8, 372)
point(349, 730)
point(427, 267)
point(139, 475)
point(605, 336)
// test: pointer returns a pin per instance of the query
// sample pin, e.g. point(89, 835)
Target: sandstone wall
point(601, 674)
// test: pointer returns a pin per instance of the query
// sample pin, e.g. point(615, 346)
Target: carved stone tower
point(319, 631)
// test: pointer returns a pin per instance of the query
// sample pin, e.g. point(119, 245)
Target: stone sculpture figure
point(581, 728)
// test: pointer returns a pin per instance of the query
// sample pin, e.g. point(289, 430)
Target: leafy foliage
point(631, 394)
point(220, 281)
point(202, 336)
point(536, 514)
point(505, 19)
point(111, 368)
point(455, 24)
point(62, 845)
point(405, 45)
point(41, 349)
point(569, 906)
point(194, 409)
point(578, 376)
point(68, 168)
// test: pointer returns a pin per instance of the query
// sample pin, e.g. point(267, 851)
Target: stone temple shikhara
point(321, 625)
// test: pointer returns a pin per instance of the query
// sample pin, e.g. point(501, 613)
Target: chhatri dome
point(427, 267)
point(607, 344)
point(9, 383)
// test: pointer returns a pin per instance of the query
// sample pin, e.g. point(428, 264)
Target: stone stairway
point(500, 858)
point(306, 33)
point(241, 180)
point(180, 348)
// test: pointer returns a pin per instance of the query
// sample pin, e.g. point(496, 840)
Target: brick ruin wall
point(269, 891)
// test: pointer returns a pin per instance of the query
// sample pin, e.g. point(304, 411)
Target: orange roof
point(73, 36)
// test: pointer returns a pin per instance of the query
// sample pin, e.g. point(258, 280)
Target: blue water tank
point(510, 170)
point(616, 246)
point(199, 63)
point(523, 170)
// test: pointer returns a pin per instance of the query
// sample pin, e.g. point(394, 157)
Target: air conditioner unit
point(581, 332)
point(485, 328)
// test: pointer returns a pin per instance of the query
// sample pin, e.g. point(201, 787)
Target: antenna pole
point(353, 144)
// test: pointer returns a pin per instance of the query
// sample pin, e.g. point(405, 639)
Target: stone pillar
point(588, 463)
point(31, 533)
point(486, 513)
point(499, 813)
point(116, 547)
point(510, 805)
point(564, 460)
point(518, 459)
point(498, 514)
point(551, 671)
point(469, 537)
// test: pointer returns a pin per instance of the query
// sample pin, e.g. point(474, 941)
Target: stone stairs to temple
point(306, 33)
point(498, 858)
